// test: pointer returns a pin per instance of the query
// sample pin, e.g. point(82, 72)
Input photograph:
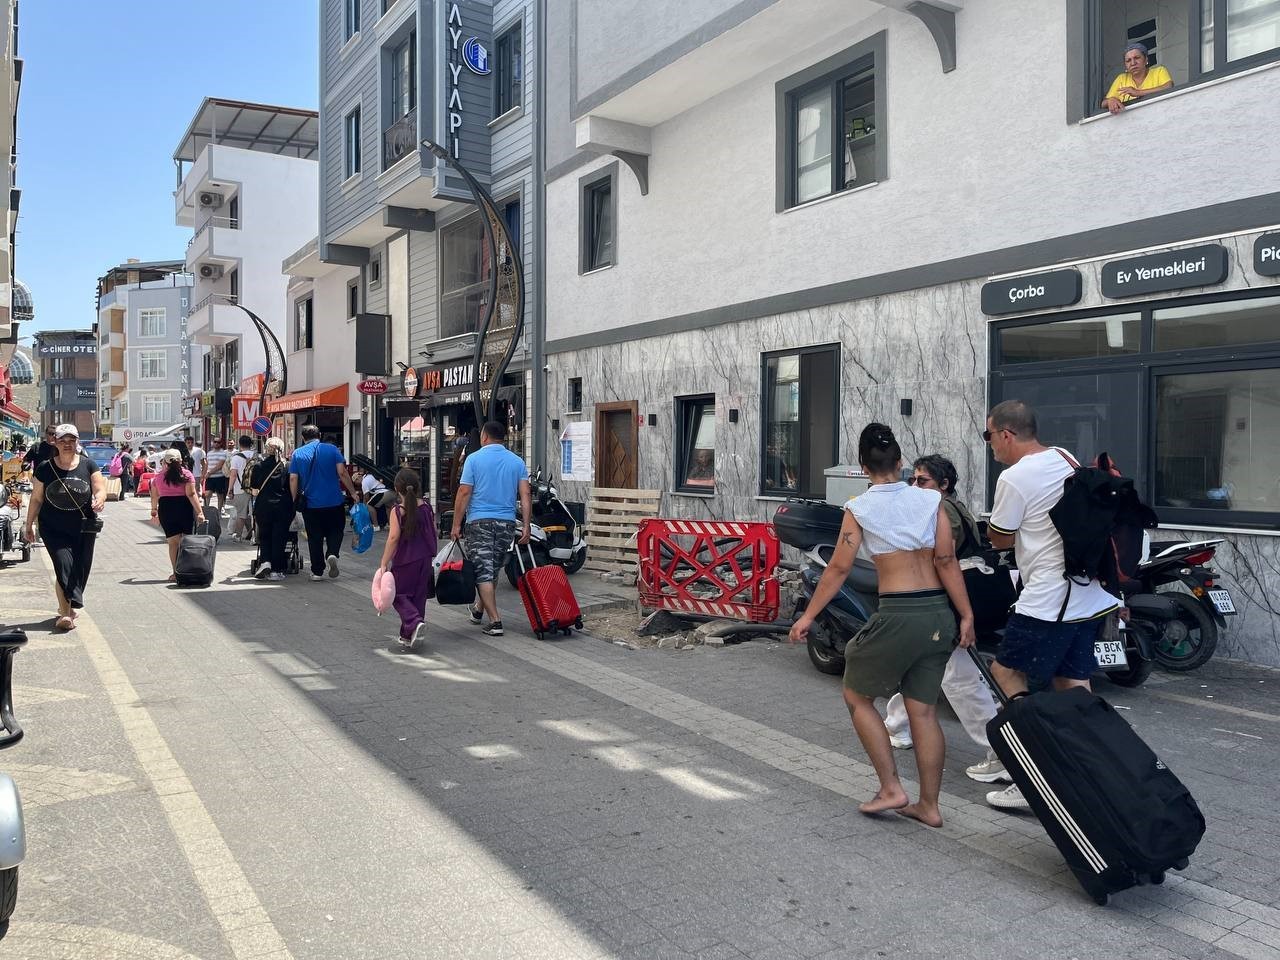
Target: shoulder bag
point(255, 490)
point(301, 502)
point(89, 523)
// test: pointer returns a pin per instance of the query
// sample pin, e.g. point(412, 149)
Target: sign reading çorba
point(1202, 266)
point(1037, 291)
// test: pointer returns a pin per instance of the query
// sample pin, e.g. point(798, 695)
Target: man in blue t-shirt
point(317, 473)
point(492, 478)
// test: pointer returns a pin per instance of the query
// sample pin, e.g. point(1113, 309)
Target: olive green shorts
point(904, 647)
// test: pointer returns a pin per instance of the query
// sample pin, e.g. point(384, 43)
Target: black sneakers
point(476, 616)
point(494, 629)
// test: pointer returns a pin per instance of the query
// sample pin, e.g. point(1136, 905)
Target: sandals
point(173, 578)
point(65, 623)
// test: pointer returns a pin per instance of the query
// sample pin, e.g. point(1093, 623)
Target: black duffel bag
point(456, 581)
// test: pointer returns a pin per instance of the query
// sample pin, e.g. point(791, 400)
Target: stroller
point(11, 524)
point(292, 555)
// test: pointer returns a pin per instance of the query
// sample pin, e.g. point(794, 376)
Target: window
point(508, 78)
point(599, 222)
point(303, 313)
point(1195, 40)
point(152, 364)
point(151, 322)
point(233, 213)
point(124, 411)
point(353, 299)
point(511, 220)
point(404, 91)
point(350, 18)
point(695, 466)
point(831, 125)
point(231, 364)
point(464, 281)
point(1181, 393)
point(801, 421)
point(575, 395)
point(375, 272)
point(233, 280)
point(351, 144)
point(155, 407)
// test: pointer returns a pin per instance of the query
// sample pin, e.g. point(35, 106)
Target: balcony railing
point(215, 298)
point(400, 139)
point(231, 223)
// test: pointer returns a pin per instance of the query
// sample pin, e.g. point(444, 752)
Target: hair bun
point(884, 438)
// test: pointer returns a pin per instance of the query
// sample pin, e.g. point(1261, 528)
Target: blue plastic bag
point(363, 525)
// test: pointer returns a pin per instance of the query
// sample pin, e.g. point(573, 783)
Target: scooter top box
point(807, 523)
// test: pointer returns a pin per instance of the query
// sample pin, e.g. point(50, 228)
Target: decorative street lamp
point(499, 330)
point(276, 374)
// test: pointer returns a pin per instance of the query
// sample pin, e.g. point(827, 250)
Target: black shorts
point(176, 515)
point(216, 484)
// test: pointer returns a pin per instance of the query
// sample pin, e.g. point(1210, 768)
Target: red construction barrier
point(712, 567)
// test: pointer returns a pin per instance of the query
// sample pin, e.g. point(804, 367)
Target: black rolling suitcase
point(1118, 815)
point(193, 566)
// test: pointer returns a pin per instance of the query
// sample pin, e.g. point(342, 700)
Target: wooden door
point(616, 444)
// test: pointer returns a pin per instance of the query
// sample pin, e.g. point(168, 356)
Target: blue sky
point(108, 90)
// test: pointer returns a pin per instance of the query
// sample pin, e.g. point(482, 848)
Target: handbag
point(301, 502)
point(456, 581)
point(254, 491)
point(89, 523)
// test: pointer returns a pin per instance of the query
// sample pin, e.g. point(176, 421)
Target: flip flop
point(65, 623)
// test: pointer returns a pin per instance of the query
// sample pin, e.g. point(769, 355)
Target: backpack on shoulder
point(1100, 519)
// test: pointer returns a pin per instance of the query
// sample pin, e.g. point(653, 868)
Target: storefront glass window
point(696, 443)
point(464, 277)
point(1218, 440)
point(1072, 339)
point(801, 392)
point(1217, 324)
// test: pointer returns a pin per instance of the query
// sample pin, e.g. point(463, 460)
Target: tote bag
point(456, 581)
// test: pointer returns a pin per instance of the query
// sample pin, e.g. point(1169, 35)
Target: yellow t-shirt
point(1157, 76)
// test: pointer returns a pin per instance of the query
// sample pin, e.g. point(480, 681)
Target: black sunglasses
point(987, 434)
point(912, 481)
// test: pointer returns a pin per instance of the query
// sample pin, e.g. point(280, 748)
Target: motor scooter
point(1184, 625)
point(11, 524)
point(13, 836)
point(555, 531)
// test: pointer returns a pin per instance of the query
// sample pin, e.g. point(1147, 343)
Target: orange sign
point(244, 409)
point(252, 386)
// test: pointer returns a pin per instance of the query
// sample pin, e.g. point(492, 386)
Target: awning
point(416, 425)
point(179, 427)
point(15, 412)
point(310, 399)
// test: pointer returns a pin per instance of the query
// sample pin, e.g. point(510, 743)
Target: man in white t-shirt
point(197, 459)
point(242, 525)
point(1050, 635)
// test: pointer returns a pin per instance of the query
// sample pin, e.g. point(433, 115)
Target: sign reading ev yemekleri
point(1201, 266)
point(1037, 291)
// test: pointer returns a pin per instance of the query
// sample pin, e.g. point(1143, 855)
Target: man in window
point(1139, 79)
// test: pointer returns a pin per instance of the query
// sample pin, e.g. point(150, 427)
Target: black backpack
point(1100, 520)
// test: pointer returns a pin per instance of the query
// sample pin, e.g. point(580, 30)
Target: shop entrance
point(616, 451)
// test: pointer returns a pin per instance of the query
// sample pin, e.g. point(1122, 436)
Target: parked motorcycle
point(555, 531)
point(813, 527)
point(11, 524)
point(1183, 625)
point(13, 837)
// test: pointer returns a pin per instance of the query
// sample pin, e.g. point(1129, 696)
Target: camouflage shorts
point(488, 541)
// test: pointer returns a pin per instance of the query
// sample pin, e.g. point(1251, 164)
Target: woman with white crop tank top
point(906, 644)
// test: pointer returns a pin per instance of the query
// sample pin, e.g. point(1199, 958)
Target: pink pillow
point(384, 591)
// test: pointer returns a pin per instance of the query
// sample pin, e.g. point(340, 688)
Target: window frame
point(353, 303)
point(152, 355)
point(298, 341)
point(800, 491)
point(351, 131)
point(1150, 364)
point(574, 385)
point(588, 186)
point(685, 433)
point(350, 19)
point(832, 71)
point(375, 272)
point(408, 47)
point(152, 313)
point(512, 86)
point(447, 294)
point(167, 407)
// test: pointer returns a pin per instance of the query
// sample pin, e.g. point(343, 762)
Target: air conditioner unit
point(210, 200)
point(210, 271)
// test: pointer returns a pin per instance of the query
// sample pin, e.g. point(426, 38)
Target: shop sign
point(86, 393)
point(465, 93)
point(1201, 266)
point(130, 434)
point(373, 386)
point(409, 382)
point(191, 408)
point(206, 403)
point(44, 349)
point(1266, 255)
point(453, 378)
point(1037, 291)
point(184, 348)
point(247, 408)
point(252, 386)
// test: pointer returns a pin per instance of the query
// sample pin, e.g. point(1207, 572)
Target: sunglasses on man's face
point(988, 434)
point(919, 481)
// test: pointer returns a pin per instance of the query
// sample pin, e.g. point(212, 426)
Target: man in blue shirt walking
point(492, 478)
point(317, 476)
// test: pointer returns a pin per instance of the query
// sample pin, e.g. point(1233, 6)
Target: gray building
point(68, 378)
point(145, 366)
point(460, 74)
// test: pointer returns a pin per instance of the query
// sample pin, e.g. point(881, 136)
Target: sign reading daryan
point(1266, 255)
point(1057, 288)
point(1201, 266)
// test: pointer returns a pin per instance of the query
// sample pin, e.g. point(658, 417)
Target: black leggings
point(326, 527)
point(273, 534)
point(72, 556)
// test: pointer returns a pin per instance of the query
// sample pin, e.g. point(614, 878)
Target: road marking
point(1236, 732)
point(1213, 705)
point(67, 941)
point(245, 925)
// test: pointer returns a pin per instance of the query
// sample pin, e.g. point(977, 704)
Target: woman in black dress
point(68, 492)
point(273, 509)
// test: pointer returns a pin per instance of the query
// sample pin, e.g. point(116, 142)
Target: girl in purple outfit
point(411, 546)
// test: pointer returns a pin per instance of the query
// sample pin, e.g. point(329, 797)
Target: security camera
point(546, 368)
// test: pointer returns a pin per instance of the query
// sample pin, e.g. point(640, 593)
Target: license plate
point(1110, 653)
point(1222, 601)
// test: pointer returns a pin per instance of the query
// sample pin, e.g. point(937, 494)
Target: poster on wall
point(575, 452)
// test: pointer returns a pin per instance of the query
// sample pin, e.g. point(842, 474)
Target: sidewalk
point(252, 771)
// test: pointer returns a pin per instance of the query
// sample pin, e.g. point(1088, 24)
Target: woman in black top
point(68, 492)
point(273, 509)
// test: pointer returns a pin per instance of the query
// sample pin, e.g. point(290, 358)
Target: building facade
point(247, 180)
point(10, 195)
point(19, 386)
point(799, 216)
point(68, 376)
point(145, 368)
point(460, 74)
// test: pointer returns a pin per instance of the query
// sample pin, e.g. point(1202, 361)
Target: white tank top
point(894, 516)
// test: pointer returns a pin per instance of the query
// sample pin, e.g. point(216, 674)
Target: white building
point(772, 222)
point(247, 182)
point(10, 84)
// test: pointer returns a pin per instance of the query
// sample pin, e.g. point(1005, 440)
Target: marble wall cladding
point(928, 345)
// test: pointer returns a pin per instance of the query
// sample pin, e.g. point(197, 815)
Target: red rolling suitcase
point(548, 598)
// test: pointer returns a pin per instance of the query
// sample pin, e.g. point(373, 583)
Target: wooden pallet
point(613, 516)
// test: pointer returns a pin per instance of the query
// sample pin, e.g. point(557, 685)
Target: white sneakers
point(1010, 798)
point(900, 741)
point(331, 566)
point(990, 770)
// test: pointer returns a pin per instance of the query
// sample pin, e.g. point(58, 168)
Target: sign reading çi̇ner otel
point(1201, 266)
point(464, 94)
point(1037, 291)
point(1266, 255)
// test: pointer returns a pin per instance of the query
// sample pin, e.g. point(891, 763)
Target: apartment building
point(461, 75)
point(19, 387)
point(246, 184)
point(772, 222)
point(145, 368)
point(10, 195)
point(68, 376)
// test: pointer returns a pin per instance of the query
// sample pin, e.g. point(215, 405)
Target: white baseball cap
point(65, 430)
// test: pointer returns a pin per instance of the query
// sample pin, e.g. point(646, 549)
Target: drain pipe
point(539, 331)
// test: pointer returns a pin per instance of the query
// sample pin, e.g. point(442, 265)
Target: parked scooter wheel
point(574, 564)
point(8, 896)
point(1189, 641)
point(822, 658)
point(540, 559)
point(1135, 676)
